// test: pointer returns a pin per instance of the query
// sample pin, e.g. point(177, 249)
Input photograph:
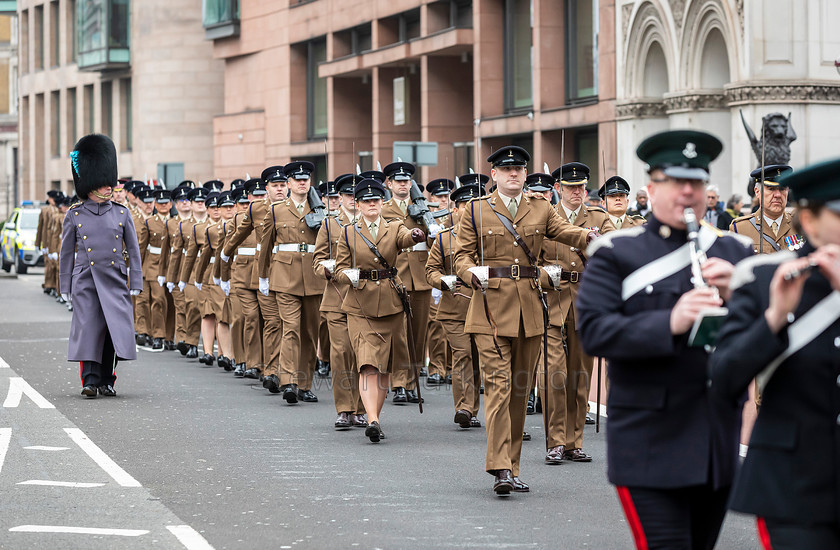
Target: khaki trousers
point(252, 342)
point(142, 310)
point(271, 333)
point(579, 367)
point(300, 334)
point(345, 376)
point(466, 380)
point(192, 314)
point(440, 356)
point(237, 321)
point(50, 273)
point(157, 309)
point(556, 401)
point(420, 300)
point(170, 316)
point(506, 385)
point(180, 301)
point(323, 338)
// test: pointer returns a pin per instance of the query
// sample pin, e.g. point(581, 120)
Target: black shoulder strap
point(773, 243)
point(516, 237)
point(385, 264)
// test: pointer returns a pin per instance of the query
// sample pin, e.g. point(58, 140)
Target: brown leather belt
point(514, 272)
point(571, 276)
point(377, 274)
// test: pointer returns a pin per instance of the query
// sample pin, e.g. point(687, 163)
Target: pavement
point(187, 456)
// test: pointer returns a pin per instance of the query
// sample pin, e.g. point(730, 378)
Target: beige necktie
point(572, 216)
point(512, 208)
point(373, 230)
point(618, 223)
point(775, 228)
point(402, 206)
point(300, 208)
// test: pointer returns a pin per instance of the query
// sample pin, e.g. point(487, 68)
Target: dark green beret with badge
point(816, 184)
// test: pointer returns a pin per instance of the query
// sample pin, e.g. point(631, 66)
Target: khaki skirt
point(212, 301)
point(379, 341)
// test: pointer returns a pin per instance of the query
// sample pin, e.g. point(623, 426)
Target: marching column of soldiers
point(474, 286)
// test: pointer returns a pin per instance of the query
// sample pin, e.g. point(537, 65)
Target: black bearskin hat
point(94, 164)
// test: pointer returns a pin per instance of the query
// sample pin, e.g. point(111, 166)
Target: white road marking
point(103, 460)
point(17, 388)
point(60, 483)
point(5, 438)
point(189, 537)
point(45, 448)
point(3, 364)
point(77, 530)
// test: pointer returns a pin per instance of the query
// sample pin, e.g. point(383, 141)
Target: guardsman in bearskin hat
point(97, 237)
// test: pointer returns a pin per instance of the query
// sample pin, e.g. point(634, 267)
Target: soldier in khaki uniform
point(375, 314)
point(778, 231)
point(171, 256)
point(411, 265)
point(285, 266)
point(143, 302)
point(179, 272)
point(507, 334)
point(615, 193)
point(42, 243)
point(270, 189)
point(452, 312)
point(151, 239)
point(570, 369)
point(342, 360)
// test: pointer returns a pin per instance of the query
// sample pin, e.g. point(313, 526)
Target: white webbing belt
point(213, 260)
point(246, 251)
point(665, 266)
point(419, 247)
point(153, 249)
point(293, 248)
point(803, 331)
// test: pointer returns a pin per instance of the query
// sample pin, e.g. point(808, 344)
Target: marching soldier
point(171, 257)
point(151, 238)
point(285, 267)
point(42, 243)
point(188, 282)
point(671, 455)
point(142, 303)
point(496, 237)
point(411, 265)
point(451, 313)
point(439, 354)
point(367, 252)
point(778, 232)
point(329, 192)
point(615, 193)
point(348, 402)
point(181, 272)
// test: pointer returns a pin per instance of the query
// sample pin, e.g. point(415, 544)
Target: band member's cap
point(681, 154)
point(816, 184)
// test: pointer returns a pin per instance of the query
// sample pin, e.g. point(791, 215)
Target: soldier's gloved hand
point(592, 236)
point(197, 285)
point(225, 287)
point(161, 281)
point(44, 251)
point(182, 285)
point(264, 286)
point(436, 294)
point(134, 292)
point(223, 257)
point(170, 287)
point(216, 281)
point(418, 236)
point(65, 297)
point(54, 256)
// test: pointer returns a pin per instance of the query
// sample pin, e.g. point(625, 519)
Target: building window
point(126, 141)
point(170, 174)
point(518, 22)
point(464, 157)
point(361, 39)
point(586, 151)
point(72, 119)
point(107, 108)
point(102, 30)
point(581, 50)
point(39, 37)
point(70, 51)
point(55, 131)
point(409, 25)
point(220, 18)
point(23, 51)
point(55, 33)
point(460, 13)
point(316, 90)
point(6, 99)
point(88, 109)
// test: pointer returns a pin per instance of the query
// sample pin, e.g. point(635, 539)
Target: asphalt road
point(201, 459)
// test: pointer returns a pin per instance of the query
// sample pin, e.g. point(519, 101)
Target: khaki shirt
point(744, 226)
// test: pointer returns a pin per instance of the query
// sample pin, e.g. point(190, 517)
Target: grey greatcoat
point(93, 271)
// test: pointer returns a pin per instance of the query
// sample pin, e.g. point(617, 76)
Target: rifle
point(419, 211)
point(315, 218)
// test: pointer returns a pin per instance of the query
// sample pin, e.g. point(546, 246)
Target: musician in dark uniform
point(785, 332)
point(98, 237)
point(670, 453)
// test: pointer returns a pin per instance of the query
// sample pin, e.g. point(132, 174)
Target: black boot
point(531, 409)
point(192, 352)
point(322, 369)
point(183, 347)
point(157, 344)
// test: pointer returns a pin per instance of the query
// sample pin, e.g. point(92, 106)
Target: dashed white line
point(45, 448)
point(49, 483)
point(189, 537)
point(17, 388)
point(103, 460)
point(3, 364)
point(78, 530)
point(5, 438)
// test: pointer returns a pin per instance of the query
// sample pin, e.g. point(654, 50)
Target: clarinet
point(697, 254)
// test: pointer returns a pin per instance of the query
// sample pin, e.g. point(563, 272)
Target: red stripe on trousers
point(81, 371)
point(763, 535)
point(632, 518)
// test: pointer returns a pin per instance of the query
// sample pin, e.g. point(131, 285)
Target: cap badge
point(690, 151)
point(510, 153)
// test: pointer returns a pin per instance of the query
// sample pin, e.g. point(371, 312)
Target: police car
point(18, 240)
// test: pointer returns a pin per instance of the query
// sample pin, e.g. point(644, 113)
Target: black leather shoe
point(253, 374)
point(526, 436)
point(307, 396)
point(157, 344)
point(183, 347)
point(192, 352)
point(520, 486)
point(577, 455)
point(481, 389)
point(503, 483)
point(342, 422)
point(359, 420)
point(271, 383)
point(225, 363)
point(435, 380)
point(107, 391)
point(372, 432)
point(448, 379)
point(412, 396)
point(462, 418)
point(531, 408)
point(400, 395)
point(590, 421)
point(89, 392)
point(538, 404)
point(290, 393)
point(555, 455)
point(140, 339)
point(423, 372)
point(322, 369)
point(61, 300)
point(209, 359)
point(239, 371)
point(474, 423)
point(202, 358)
point(169, 345)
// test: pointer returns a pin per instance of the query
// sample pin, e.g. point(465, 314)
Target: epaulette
point(75, 205)
point(745, 270)
point(742, 218)
point(595, 209)
point(539, 197)
point(444, 230)
point(480, 198)
point(606, 241)
point(637, 217)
